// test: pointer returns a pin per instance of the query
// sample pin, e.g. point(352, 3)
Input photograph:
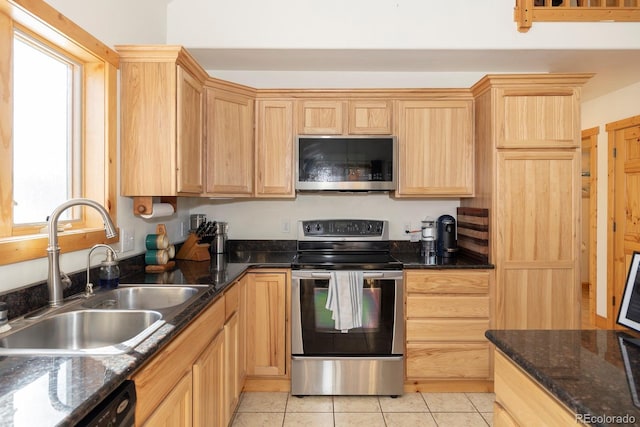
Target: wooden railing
point(528, 11)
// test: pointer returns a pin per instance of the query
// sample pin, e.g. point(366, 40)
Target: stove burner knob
point(318, 227)
point(307, 228)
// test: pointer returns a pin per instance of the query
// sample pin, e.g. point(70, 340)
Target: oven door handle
point(321, 275)
point(366, 275)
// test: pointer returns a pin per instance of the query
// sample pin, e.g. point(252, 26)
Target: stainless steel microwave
point(346, 163)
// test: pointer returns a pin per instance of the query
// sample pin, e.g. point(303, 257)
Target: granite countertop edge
point(554, 388)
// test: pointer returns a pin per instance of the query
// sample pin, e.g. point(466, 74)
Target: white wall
point(598, 112)
point(262, 219)
point(381, 24)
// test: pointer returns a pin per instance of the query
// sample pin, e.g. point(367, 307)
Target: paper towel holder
point(143, 205)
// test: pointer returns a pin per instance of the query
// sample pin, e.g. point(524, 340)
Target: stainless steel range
point(347, 310)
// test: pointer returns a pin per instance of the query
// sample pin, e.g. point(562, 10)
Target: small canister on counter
point(156, 257)
point(196, 220)
point(219, 243)
point(156, 241)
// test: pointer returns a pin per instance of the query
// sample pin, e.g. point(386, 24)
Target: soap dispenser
point(109, 273)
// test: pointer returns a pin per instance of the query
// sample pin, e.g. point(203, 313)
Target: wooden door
point(208, 385)
point(321, 117)
point(229, 144)
point(189, 133)
point(624, 203)
point(266, 327)
point(435, 147)
point(538, 213)
point(274, 149)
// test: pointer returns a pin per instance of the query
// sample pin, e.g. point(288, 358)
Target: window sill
point(24, 248)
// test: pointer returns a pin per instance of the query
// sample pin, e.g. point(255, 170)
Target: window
point(61, 104)
point(46, 156)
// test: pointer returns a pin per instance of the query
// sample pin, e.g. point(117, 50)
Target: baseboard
point(267, 384)
point(449, 386)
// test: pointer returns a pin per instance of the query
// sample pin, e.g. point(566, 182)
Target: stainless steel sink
point(83, 332)
point(143, 297)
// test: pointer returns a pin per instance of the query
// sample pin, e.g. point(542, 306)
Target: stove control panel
point(363, 228)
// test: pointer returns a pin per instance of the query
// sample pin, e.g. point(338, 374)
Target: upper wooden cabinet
point(370, 117)
point(321, 117)
point(161, 121)
point(229, 140)
point(274, 149)
point(435, 147)
point(344, 116)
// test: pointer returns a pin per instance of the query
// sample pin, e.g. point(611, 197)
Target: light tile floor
point(268, 409)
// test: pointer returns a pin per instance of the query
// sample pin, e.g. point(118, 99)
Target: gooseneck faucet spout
point(54, 281)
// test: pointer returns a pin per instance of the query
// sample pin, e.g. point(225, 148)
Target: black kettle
point(447, 243)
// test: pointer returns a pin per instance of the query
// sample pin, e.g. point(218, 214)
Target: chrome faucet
point(54, 281)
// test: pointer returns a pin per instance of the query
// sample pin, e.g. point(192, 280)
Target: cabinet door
point(176, 409)
point(324, 117)
point(274, 149)
point(530, 118)
point(229, 144)
point(147, 126)
point(435, 148)
point(266, 327)
point(370, 117)
point(232, 387)
point(189, 133)
point(539, 205)
point(208, 385)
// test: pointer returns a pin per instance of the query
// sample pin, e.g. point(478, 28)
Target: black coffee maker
point(447, 243)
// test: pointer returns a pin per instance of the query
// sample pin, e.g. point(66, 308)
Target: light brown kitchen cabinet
point(176, 409)
point(267, 350)
point(521, 401)
point(175, 362)
point(321, 117)
point(447, 313)
point(228, 141)
point(233, 341)
point(161, 106)
point(370, 117)
point(435, 147)
point(274, 149)
point(209, 408)
point(528, 176)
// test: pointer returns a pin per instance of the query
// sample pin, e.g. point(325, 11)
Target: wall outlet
point(285, 225)
point(184, 227)
point(127, 239)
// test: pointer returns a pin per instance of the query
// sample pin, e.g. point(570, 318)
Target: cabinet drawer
point(447, 306)
point(446, 329)
point(452, 361)
point(231, 300)
point(476, 282)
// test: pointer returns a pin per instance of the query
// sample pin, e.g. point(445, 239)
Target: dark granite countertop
point(61, 390)
point(584, 369)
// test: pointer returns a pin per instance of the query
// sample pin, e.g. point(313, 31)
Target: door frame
point(611, 129)
point(591, 143)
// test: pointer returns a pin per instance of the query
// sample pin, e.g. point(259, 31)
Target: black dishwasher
point(117, 409)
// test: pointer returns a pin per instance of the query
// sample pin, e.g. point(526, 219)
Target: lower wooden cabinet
point(447, 313)
point(175, 409)
point(521, 401)
point(196, 380)
point(267, 330)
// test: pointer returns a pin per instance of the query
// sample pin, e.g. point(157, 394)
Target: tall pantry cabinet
point(528, 176)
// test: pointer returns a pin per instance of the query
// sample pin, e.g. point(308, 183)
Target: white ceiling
point(613, 69)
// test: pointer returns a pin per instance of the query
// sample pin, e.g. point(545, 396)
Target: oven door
point(313, 330)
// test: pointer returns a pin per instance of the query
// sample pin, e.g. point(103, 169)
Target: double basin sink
point(109, 322)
